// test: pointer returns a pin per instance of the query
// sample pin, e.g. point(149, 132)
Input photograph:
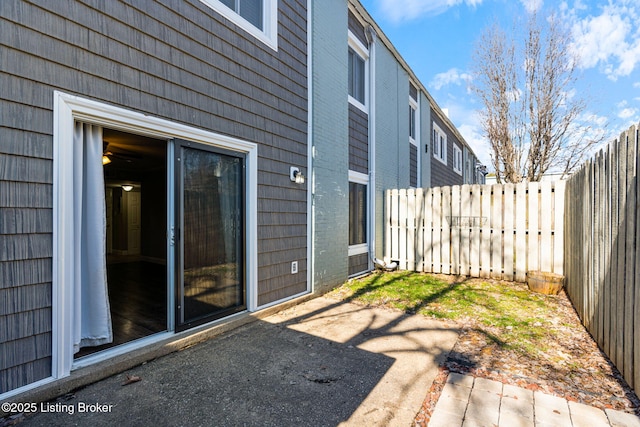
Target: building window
point(412, 122)
point(439, 144)
point(257, 17)
point(356, 76)
point(357, 214)
point(414, 130)
point(457, 159)
point(251, 10)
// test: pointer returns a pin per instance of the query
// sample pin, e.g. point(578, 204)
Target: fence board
point(622, 229)
point(533, 260)
point(402, 222)
point(598, 263)
point(428, 228)
point(485, 232)
point(606, 245)
point(476, 213)
point(521, 231)
point(546, 217)
point(395, 233)
point(411, 229)
point(446, 230)
point(629, 251)
point(496, 231)
point(636, 283)
point(609, 230)
point(586, 244)
point(455, 229)
point(465, 229)
point(419, 229)
point(508, 224)
point(436, 247)
point(388, 226)
point(558, 227)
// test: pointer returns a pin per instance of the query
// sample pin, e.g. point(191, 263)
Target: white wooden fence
point(497, 231)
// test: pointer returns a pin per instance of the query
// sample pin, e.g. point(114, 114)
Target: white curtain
point(92, 315)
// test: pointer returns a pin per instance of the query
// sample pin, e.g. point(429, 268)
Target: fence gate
point(499, 231)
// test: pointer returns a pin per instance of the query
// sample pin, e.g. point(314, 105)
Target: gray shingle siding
point(413, 165)
point(178, 60)
point(357, 29)
point(358, 140)
point(358, 264)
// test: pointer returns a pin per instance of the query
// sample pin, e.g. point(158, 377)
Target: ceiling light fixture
point(127, 187)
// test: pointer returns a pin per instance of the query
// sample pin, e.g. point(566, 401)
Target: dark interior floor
point(138, 300)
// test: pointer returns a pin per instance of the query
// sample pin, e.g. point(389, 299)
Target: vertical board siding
point(480, 231)
point(602, 258)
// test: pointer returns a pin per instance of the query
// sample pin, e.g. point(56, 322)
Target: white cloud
point(532, 6)
point(627, 113)
point(408, 10)
point(452, 76)
point(610, 40)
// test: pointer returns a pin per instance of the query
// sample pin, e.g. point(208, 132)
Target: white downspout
point(310, 155)
point(372, 37)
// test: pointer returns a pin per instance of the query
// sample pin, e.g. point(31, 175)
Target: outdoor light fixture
point(127, 187)
point(105, 160)
point(295, 175)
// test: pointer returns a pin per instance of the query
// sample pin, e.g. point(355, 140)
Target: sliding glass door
point(210, 235)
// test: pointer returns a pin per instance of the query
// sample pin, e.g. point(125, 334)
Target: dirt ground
point(573, 367)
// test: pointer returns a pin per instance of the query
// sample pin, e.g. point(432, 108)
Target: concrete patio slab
point(321, 363)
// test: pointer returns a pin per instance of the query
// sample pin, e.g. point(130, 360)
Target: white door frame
point(70, 108)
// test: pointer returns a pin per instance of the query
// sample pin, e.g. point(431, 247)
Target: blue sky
point(437, 39)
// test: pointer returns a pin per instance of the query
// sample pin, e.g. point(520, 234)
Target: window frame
point(362, 51)
point(414, 137)
point(268, 34)
point(413, 121)
point(457, 159)
point(361, 179)
point(439, 144)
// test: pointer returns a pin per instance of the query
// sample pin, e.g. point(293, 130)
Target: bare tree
point(531, 111)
